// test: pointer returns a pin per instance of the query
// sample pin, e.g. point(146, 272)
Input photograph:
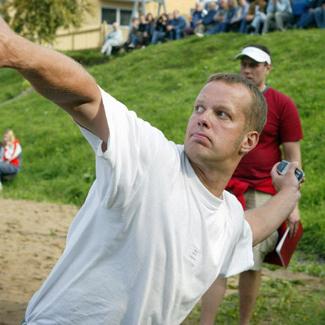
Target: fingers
point(285, 174)
point(292, 166)
point(285, 167)
point(293, 228)
point(273, 170)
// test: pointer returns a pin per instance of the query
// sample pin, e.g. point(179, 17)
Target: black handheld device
point(282, 169)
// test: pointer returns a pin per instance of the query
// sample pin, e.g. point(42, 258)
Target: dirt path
point(32, 237)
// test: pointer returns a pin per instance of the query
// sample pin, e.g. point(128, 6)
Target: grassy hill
point(160, 83)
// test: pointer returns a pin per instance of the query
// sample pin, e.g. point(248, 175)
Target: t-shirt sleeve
point(132, 149)
point(290, 124)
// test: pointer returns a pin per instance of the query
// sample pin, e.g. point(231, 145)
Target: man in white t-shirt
point(157, 227)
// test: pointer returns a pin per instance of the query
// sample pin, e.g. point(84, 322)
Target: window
point(122, 16)
point(109, 15)
point(125, 17)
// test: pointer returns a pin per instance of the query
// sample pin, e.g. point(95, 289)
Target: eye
point(199, 109)
point(223, 115)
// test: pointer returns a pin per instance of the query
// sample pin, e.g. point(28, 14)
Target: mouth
point(200, 138)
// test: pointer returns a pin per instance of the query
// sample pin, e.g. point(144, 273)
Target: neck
point(214, 179)
point(262, 87)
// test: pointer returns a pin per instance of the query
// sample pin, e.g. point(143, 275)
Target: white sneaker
point(0, 186)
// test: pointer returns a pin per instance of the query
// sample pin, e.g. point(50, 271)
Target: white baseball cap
point(255, 53)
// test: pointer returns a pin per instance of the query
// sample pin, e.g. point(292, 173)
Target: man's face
point(217, 127)
point(255, 71)
point(175, 14)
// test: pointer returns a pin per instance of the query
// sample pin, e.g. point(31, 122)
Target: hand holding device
point(282, 169)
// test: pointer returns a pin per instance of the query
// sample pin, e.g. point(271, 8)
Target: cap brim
point(255, 54)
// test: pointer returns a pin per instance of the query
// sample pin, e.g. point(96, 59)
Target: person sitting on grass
point(135, 35)
point(10, 155)
point(176, 26)
point(160, 32)
point(113, 39)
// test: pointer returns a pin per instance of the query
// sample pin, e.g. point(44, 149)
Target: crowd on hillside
point(220, 16)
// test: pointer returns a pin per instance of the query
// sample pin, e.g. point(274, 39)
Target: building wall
point(93, 31)
point(184, 6)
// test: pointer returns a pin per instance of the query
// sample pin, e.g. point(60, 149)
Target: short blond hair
point(257, 112)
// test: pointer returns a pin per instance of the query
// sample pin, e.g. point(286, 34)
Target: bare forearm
point(52, 74)
point(57, 78)
point(292, 152)
point(267, 218)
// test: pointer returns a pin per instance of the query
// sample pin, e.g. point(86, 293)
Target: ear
point(249, 142)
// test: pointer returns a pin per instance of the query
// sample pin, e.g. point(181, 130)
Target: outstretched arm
point(56, 77)
point(268, 217)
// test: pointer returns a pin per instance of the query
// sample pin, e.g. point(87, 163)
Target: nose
point(245, 68)
point(203, 124)
point(204, 120)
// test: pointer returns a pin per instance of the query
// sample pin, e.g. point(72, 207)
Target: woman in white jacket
point(114, 38)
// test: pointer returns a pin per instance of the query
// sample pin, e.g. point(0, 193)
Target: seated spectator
point(10, 156)
point(320, 15)
point(196, 19)
point(220, 19)
point(208, 21)
point(144, 31)
point(239, 18)
point(255, 18)
point(299, 8)
point(150, 26)
point(307, 19)
point(160, 31)
point(135, 35)
point(231, 16)
point(206, 3)
point(278, 15)
point(113, 39)
point(176, 26)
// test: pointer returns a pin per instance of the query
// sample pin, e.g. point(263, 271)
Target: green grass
point(11, 85)
point(279, 302)
point(160, 83)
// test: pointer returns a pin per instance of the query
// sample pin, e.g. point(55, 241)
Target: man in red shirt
point(251, 181)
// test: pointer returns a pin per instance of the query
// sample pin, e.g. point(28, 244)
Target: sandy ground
point(32, 237)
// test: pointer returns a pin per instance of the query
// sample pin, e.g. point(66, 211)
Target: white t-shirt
point(149, 240)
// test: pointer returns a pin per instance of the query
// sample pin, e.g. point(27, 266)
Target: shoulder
point(276, 95)
point(233, 204)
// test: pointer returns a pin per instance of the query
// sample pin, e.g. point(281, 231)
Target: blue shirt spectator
point(220, 18)
point(197, 15)
point(307, 19)
point(320, 15)
point(208, 19)
point(177, 26)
